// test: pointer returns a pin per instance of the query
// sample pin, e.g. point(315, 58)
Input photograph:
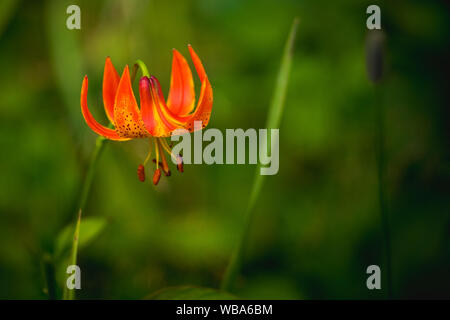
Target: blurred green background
point(317, 223)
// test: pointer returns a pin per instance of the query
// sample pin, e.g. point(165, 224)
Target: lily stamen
point(167, 148)
point(178, 158)
point(141, 173)
point(141, 167)
point(157, 154)
point(149, 152)
point(156, 176)
point(180, 164)
point(165, 166)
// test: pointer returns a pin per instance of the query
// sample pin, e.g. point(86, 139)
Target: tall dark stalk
point(374, 60)
point(382, 198)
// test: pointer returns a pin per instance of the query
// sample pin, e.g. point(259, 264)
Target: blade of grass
point(273, 122)
point(374, 64)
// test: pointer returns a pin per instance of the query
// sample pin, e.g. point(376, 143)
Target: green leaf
point(273, 122)
point(190, 293)
point(89, 228)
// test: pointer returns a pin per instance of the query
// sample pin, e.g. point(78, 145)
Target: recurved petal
point(181, 97)
point(127, 116)
point(110, 83)
point(204, 106)
point(197, 64)
point(91, 122)
point(203, 111)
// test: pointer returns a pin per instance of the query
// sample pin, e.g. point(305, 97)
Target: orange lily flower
point(155, 117)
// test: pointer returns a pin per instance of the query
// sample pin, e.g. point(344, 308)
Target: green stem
point(381, 168)
point(139, 64)
point(99, 145)
point(273, 121)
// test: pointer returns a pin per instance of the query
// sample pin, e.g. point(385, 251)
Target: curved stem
point(139, 64)
point(85, 189)
point(99, 144)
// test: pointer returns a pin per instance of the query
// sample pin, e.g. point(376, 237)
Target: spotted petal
point(127, 116)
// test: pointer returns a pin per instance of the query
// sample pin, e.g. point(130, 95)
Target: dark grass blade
point(273, 122)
